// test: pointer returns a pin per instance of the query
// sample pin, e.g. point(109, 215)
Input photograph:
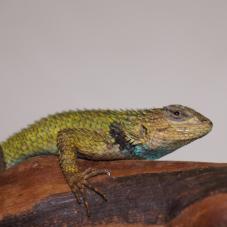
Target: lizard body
point(104, 135)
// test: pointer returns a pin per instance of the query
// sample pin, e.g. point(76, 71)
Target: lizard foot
point(79, 182)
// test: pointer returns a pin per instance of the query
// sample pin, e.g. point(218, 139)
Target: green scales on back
point(105, 135)
point(41, 136)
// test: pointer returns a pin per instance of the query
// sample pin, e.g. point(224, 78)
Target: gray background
point(60, 55)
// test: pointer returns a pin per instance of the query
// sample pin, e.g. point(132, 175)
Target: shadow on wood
point(140, 193)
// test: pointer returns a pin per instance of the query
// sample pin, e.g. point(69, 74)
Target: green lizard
point(104, 135)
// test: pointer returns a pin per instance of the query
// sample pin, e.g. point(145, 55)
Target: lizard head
point(181, 125)
point(168, 128)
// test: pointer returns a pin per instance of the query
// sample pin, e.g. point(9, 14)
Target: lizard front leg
point(69, 142)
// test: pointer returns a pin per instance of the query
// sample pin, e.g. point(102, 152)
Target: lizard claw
point(79, 182)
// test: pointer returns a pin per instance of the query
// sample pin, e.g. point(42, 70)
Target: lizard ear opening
point(2, 161)
point(143, 130)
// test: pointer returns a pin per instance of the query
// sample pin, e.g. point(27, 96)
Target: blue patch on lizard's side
point(144, 152)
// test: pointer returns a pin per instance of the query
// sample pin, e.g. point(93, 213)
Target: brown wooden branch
point(140, 193)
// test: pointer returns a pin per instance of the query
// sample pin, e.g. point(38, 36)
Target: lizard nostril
point(205, 120)
point(211, 123)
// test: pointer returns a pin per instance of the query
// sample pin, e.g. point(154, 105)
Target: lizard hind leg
point(2, 160)
point(69, 141)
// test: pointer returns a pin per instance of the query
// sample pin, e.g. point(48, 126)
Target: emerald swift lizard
point(104, 135)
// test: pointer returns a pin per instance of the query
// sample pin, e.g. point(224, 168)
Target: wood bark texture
point(140, 193)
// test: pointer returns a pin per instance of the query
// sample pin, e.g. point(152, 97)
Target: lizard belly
point(111, 153)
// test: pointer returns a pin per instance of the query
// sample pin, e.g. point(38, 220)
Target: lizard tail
point(2, 161)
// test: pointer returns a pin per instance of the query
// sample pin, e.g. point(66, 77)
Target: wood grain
point(140, 193)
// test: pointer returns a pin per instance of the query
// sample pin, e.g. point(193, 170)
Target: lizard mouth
point(203, 127)
point(200, 130)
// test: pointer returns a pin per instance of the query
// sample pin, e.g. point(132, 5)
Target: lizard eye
point(176, 113)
